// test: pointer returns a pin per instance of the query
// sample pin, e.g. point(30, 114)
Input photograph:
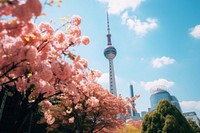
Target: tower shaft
point(113, 89)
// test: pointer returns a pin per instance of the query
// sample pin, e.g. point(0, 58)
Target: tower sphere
point(110, 52)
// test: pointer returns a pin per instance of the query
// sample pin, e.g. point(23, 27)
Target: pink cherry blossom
point(6, 9)
point(47, 104)
point(22, 12)
point(93, 101)
point(78, 106)
point(13, 28)
point(76, 31)
point(35, 6)
point(85, 40)
point(71, 120)
point(76, 20)
point(80, 63)
point(48, 116)
point(31, 53)
point(78, 40)
point(60, 36)
point(70, 39)
point(45, 71)
point(46, 28)
point(76, 99)
point(69, 111)
point(51, 121)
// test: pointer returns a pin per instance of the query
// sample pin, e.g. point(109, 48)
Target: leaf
point(58, 1)
point(29, 75)
point(3, 1)
point(27, 39)
point(64, 19)
point(71, 56)
point(69, 31)
point(43, 14)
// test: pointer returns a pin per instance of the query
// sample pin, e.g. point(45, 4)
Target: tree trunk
point(3, 102)
point(17, 128)
point(30, 122)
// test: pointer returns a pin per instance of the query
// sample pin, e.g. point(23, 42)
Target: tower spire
point(108, 28)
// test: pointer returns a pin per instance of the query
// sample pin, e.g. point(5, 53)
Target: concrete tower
point(110, 53)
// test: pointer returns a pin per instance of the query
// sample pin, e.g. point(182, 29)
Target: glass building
point(163, 94)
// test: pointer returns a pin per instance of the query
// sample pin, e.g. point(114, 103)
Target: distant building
point(149, 109)
point(137, 116)
point(160, 93)
point(133, 112)
point(143, 113)
point(192, 116)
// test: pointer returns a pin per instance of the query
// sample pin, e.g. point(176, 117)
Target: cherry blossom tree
point(34, 70)
point(31, 56)
point(85, 108)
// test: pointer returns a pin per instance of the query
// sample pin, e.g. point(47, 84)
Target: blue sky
point(157, 42)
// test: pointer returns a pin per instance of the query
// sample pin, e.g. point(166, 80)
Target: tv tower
point(110, 53)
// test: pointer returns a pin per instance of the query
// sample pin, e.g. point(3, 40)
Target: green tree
point(194, 126)
point(165, 119)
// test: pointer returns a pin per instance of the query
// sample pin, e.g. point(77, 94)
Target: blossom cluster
point(31, 55)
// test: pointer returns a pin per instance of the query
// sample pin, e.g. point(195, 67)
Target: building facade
point(193, 117)
point(160, 94)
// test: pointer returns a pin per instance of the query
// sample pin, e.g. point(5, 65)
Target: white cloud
point(194, 105)
point(140, 28)
point(154, 85)
point(196, 32)
point(104, 79)
point(124, 17)
point(160, 62)
point(118, 6)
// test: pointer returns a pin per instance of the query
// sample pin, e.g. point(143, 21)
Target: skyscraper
point(110, 53)
point(132, 95)
point(160, 93)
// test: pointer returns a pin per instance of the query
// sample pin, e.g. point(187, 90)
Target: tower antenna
point(108, 26)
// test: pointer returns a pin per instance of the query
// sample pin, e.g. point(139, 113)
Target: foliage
point(34, 71)
point(128, 129)
point(194, 126)
point(165, 119)
point(136, 123)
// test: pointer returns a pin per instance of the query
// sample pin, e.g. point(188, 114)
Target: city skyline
point(158, 43)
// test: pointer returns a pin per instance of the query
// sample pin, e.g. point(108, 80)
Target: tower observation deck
point(110, 52)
